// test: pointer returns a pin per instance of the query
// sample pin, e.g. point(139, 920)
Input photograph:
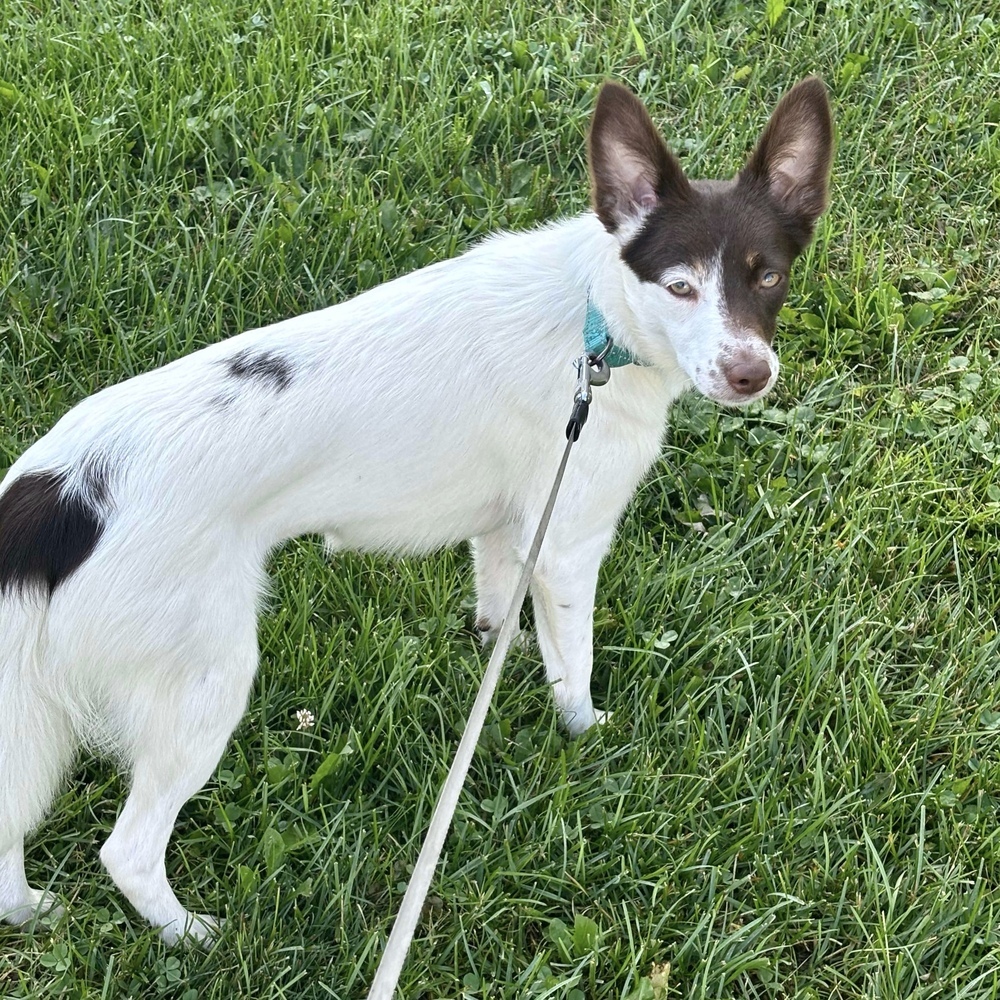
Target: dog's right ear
point(631, 169)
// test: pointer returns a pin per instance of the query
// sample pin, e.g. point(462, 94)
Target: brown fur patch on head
point(759, 221)
point(722, 223)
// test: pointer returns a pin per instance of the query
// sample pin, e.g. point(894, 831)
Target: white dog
point(430, 410)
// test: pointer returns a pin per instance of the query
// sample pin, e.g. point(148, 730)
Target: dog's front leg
point(562, 593)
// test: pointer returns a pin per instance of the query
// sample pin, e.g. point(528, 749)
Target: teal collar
point(596, 336)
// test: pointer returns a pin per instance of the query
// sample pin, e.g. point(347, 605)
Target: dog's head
point(708, 261)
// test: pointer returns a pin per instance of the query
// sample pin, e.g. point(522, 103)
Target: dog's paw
point(523, 641)
point(197, 929)
point(40, 903)
point(485, 630)
point(583, 721)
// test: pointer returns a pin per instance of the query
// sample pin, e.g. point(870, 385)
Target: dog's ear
point(631, 169)
point(794, 153)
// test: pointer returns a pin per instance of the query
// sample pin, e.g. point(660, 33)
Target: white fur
point(424, 412)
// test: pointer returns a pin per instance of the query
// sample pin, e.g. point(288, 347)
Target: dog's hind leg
point(37, 744)
point(179, 726)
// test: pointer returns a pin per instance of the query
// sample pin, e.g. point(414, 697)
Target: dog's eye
point(680, 288)
point(771, 279)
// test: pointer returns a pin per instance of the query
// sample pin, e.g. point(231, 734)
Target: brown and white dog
point(423, 413)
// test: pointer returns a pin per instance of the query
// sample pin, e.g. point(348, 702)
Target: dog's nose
point(747, 375)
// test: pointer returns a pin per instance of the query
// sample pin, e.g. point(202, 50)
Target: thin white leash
point(591, 370)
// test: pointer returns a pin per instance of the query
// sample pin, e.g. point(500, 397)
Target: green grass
point(798, 794)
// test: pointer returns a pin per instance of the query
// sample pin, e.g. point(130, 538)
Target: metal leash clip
point(591, 370)
point(600, 370)
point(581, 398)
point(584, 380)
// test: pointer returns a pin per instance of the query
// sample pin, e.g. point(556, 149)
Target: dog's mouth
point(736, 402)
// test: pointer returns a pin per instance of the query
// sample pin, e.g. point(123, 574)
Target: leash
point(591, 369)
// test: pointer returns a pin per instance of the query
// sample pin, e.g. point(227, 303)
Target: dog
point(422, 413)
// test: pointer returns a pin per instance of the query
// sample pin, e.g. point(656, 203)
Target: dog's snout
point(747, 375)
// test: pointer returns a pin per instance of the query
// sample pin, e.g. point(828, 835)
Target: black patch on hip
point(265, 367)
point(46, 532)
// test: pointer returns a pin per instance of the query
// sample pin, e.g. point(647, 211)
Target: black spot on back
point(95, 478)
point(47, 532)
point(261, 366)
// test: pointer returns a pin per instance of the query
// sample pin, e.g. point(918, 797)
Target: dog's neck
point(592, 281)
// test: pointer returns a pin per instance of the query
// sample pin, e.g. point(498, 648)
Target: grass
point(798, 794)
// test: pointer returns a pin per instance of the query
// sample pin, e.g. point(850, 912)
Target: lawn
point(798, 794)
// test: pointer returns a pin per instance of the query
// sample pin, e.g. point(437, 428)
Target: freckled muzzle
point(743, 376)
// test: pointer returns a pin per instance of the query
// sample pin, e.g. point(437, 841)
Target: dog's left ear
point(794, 153)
